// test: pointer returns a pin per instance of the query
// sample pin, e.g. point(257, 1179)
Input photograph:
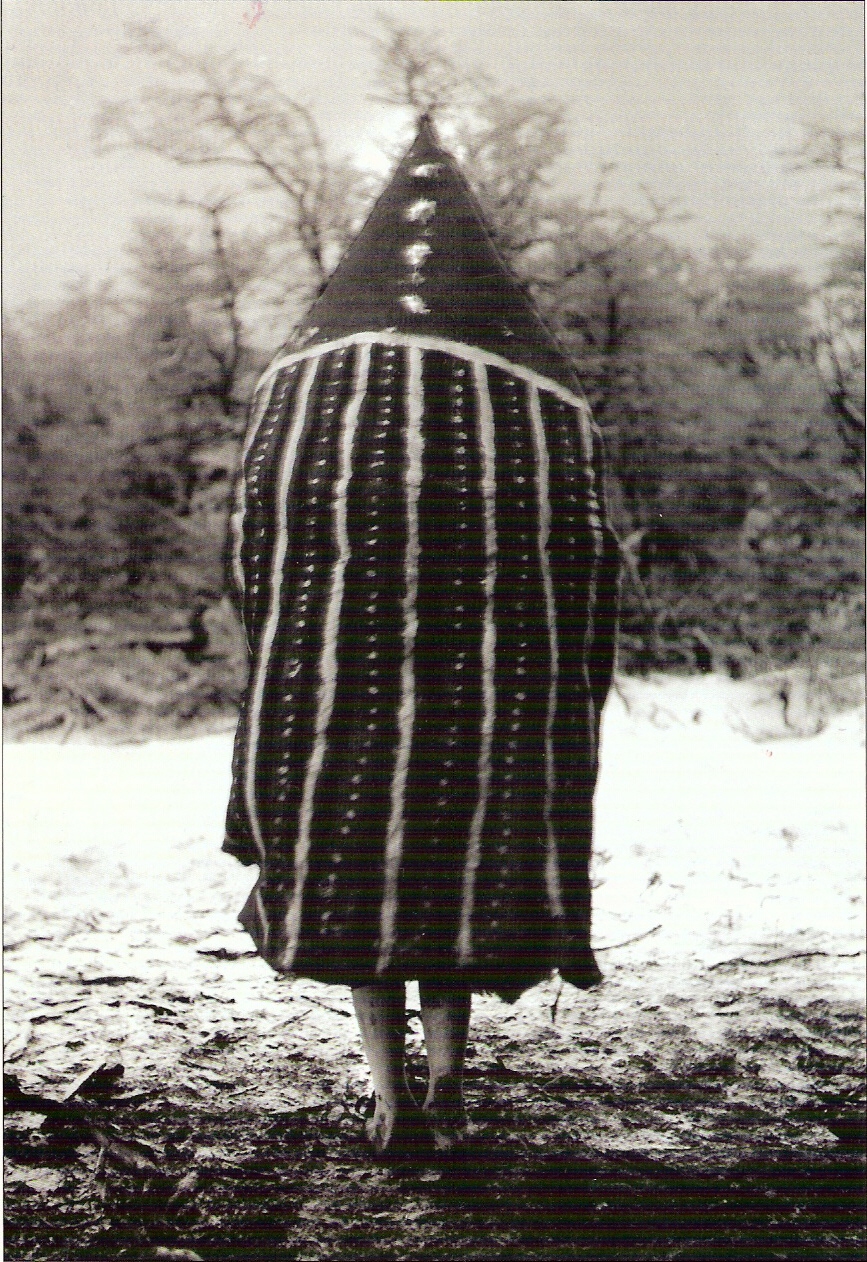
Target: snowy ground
point(729, 920)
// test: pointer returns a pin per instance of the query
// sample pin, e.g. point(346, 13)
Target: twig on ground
point(88, 701)
point(628, 941)
point(556, 1003)
point(99, 1176)
point(99, 1080)
point(35, 720)
point(341, 1012)
point(56, 1012)
point(163, 1253)
point(32, 937)
point(185, 1188)
point(110, 979)
point(293, 1016)
point(154, 1006)
point(780, 959)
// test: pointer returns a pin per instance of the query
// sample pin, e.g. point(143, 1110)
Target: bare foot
point(445, 1114)
point(398, 1131)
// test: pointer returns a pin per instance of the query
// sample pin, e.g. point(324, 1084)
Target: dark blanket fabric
point(428, 584)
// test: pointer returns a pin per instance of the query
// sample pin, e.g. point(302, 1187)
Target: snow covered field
point(729, 924)
point(724, 841)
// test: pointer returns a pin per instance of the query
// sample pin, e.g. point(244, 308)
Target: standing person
point(427, 581)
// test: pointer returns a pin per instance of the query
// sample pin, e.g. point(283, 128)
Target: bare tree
point(413, 70)
point(195, 289)
point(507, 146)
point(702, 374)
point(212, 113)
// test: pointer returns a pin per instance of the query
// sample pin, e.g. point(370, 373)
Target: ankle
point(396, 1100)
point(445, 1092)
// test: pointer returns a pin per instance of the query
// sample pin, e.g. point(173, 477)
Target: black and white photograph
point(433, 630)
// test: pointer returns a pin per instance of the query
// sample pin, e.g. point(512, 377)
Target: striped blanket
point(428, 584)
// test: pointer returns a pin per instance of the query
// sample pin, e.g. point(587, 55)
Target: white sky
point(693, 98)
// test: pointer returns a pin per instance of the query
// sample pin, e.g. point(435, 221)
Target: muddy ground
point(706, 1102)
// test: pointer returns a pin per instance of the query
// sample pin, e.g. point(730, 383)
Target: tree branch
point(825, 497)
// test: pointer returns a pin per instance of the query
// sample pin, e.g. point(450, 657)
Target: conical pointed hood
point(424, 264)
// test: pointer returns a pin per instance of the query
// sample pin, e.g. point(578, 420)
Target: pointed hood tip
point(425, 264)
point(425, 131)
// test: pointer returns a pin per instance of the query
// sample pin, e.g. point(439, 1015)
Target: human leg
point(445, 1017)
point(381, 1013)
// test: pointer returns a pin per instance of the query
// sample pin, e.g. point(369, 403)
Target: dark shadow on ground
point(243, 1187)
